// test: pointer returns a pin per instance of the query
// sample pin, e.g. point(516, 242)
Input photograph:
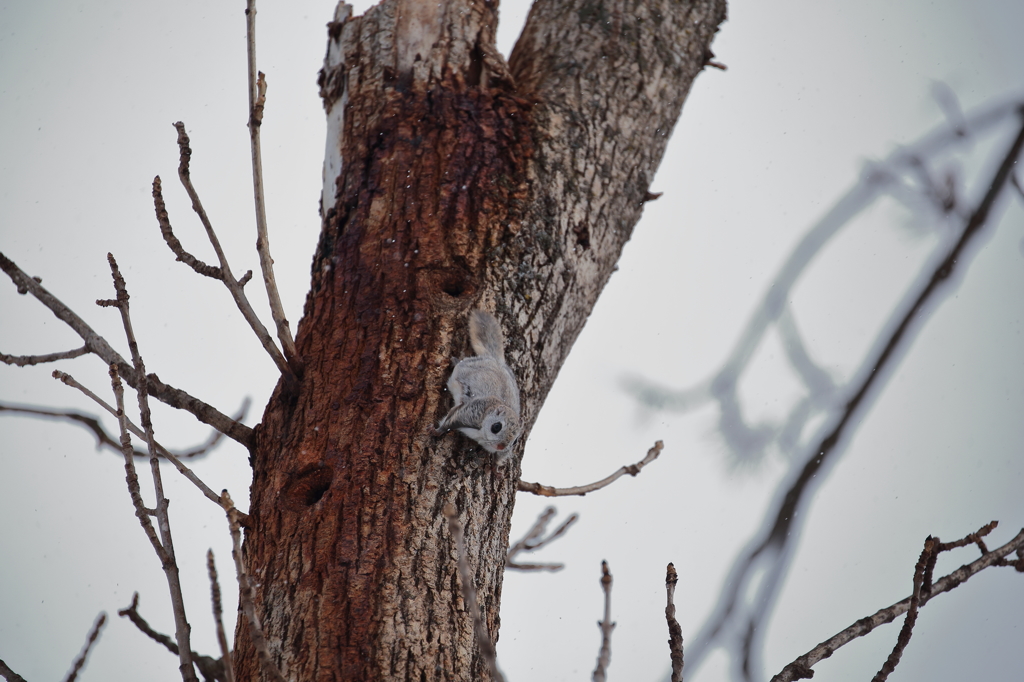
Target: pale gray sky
point(814, 93)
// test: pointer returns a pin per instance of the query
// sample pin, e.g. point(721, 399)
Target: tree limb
point(209, 668)
point(532, 541)
point(604, 656)
point(79, 662)
point(801, 667)
point(257, 100)
point(631, 469)
point(675, 633)
point(99, 346)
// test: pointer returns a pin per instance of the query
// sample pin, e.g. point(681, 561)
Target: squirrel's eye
point(496, 427)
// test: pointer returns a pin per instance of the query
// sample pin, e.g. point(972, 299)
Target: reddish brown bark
point(457, 191)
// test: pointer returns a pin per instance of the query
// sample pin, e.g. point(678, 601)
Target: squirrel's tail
point(485, 335)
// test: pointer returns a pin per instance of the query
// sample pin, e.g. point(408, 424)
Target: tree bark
point(451, 181)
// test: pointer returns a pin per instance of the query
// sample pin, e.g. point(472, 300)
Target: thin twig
point(164, 220)
point(99, 346)
point(233, 285)
point(141, 511)
point(801, 667)
point(483, 639)
point(94, 634)
point(160, 449)
point(9, 674)
point(675, 633)
point(604, 656)
point(257, 101)
point(246, 597)
point(778, 528)
point(182, 629)
point(908, 624)
point(210, 668)
point(533, 541)
point(23, 360)
point(631, 469)
point(222, 640)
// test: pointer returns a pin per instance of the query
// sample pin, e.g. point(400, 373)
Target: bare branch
point(9, 674)
point(23, 360)
point(245, 592)
point(103, 438)
point(675, 633)
point(94, 634)
point(222, 640)
point(168, 233)
point(604, 657)
point(234, 286)
point(209, 668)
point(141, 511)
point(182, 628)
point(257, 101)
point(533, 541)
point(483, 639)
point(160, 450)
point(801, 667)
point(631, 469)
point(907, 630)
point(99, 346)
point(765, 559)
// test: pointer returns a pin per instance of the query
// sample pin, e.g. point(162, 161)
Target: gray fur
point(485, 390)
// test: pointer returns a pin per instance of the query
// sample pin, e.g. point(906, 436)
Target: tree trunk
point(452, 181)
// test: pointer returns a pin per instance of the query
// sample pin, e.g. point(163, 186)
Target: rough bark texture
point(452, 181)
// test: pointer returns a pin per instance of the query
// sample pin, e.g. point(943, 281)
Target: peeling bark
point(451, 181)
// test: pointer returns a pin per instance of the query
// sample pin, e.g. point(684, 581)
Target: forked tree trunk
point(452, 181)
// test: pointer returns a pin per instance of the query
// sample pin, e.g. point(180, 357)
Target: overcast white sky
point(814, 91)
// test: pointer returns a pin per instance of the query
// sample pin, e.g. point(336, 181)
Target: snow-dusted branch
point(801, 667)
point(631, 469)
point(100, 347)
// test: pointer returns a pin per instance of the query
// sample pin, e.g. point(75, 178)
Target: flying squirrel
point(485, 391)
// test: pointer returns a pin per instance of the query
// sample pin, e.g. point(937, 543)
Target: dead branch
point(99, 346)
point(103, 438)
point(801, 667)
point(234, 285)
point(94, 634)
point(257, 101)
point(483, 639)
point(675, 633)
point(209, 668)
point(769, 546)
point(604, 656)
point(533, 541)
point(222, 640)
point(631, 469)
point(23, 360)
point(915, 602)
point(9, 674)
point(159, 449)
point(170, 566)
point(245, 593)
